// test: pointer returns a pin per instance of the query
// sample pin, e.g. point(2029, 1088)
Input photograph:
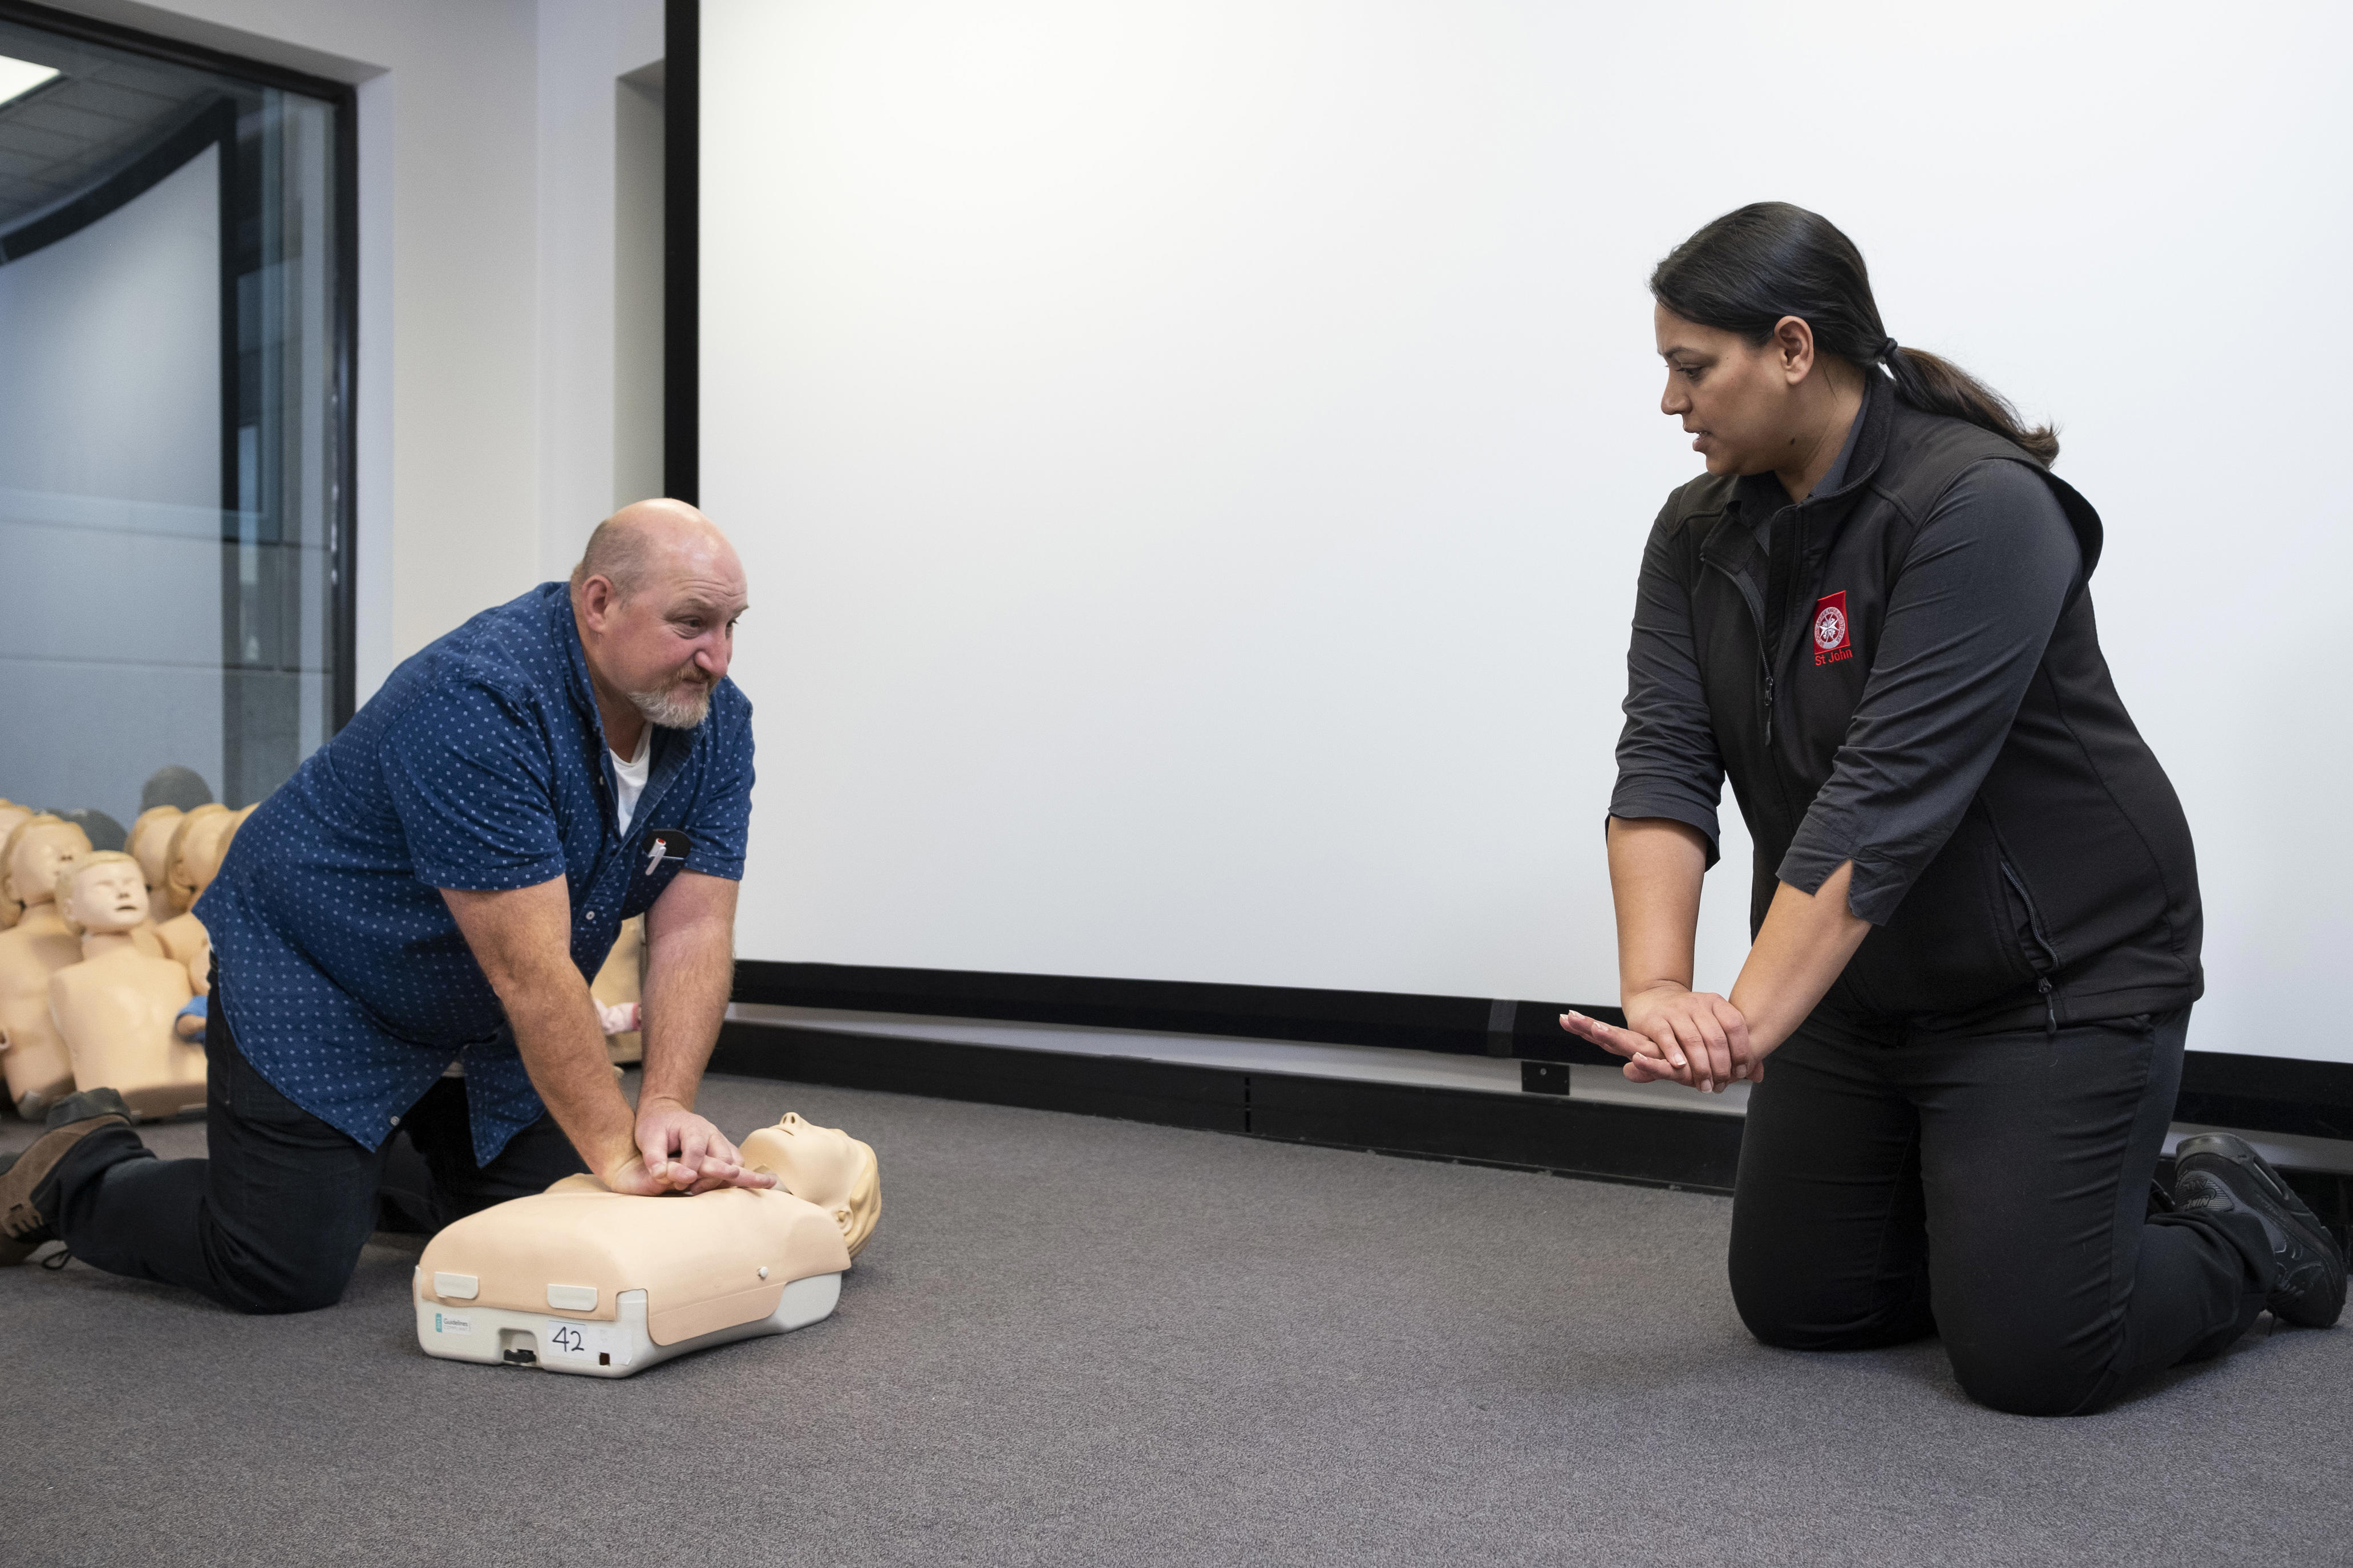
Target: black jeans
point(1992, 1188)
point(274, 1220)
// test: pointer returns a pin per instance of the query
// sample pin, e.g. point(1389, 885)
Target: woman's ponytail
point(1937, 385)
point(1750, 267)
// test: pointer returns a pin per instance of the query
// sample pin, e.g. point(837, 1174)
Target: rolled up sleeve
point(1968, 616)
point(1668, 764)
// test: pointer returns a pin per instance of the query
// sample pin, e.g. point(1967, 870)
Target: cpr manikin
point(11, 813)
point(825, 1166)
point(198, 842)
point(582, 1279)
point(151, 841)
point(118, 1008)
point(32, 1052)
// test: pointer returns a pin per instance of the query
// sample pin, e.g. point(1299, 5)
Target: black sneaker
point(24, 1229)
point(2217, 1174)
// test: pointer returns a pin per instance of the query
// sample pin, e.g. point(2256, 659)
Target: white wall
point(639, 239)
point(1192, 458)
point(586, 46)
point(110, 525)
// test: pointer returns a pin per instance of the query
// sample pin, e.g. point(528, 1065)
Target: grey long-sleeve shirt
point(1971, 612)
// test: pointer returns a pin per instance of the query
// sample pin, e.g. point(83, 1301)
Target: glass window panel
point(174, 442)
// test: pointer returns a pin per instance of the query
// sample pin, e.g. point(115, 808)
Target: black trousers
point(274, 1220)
point(1992, 1188)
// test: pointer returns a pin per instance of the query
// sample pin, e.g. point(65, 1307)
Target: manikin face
point(1739, 402)
point(11, 813)
point(40, 852)
point(107, 896)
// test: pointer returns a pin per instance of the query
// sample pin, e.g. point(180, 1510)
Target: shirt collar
point(576, 684)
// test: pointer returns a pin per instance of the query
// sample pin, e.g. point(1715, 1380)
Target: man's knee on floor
point(275, 1297)
point(264, 1286)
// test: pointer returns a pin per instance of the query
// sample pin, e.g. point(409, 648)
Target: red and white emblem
point(1831, 642)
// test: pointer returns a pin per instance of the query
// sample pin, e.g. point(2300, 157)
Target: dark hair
point(1749, 269)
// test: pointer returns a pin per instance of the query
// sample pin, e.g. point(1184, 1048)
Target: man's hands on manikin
point(522, 937)
point(1676, 1035)
point(679, 1152)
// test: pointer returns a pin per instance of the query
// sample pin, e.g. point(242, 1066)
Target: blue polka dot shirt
point(481, 764)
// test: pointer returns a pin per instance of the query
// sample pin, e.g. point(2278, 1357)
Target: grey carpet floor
point(1087, 1341)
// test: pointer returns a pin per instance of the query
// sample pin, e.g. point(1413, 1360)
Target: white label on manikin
point(450, 1323)
point(566, 1340)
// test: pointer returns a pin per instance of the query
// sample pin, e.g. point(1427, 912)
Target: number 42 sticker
point(592, 1342)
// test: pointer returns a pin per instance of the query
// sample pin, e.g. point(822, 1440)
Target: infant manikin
point(582, 1279)
point(11, 815)
point(151, 842)
point(118, 1008)
point(199, 841)
point(618, 988)
point(32, 1052)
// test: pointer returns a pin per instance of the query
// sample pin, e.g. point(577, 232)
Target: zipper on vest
point(1748, 592)
point(2033, 915)
point(2034, 924)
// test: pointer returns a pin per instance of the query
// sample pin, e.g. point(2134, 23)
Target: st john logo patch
point(1830, 642)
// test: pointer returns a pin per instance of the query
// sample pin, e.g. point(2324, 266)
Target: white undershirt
point(629, 777)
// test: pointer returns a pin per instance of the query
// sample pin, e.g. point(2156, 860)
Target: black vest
point(2068, 891)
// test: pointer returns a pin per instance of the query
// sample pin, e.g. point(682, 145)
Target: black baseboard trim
point(1458, 1025)
point(1694, 1150)
point(2221, 1088)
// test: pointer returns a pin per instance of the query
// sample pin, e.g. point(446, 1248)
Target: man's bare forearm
point(521, 937)
point(563, 1047)
point(690, 975)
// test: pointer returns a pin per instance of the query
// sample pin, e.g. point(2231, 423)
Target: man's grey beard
point(672, 711)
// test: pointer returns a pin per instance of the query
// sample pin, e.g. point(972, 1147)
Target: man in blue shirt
point(404, 933)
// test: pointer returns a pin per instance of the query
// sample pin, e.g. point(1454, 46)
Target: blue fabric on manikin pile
point(481, 765)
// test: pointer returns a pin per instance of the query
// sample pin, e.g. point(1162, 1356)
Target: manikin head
point(151, 840)
point(101, 893)
point(656, 596)
point(198, 842)
point(825, 1166)
point(36, 848)
point(11, 813)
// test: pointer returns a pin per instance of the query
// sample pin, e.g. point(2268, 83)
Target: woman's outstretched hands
point(1693, 1037)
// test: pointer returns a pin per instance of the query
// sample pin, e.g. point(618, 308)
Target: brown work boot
point(24, 1229)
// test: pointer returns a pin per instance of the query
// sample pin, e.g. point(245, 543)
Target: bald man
point(403, 936)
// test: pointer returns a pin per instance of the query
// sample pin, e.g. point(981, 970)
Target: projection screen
point(1192, 460)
